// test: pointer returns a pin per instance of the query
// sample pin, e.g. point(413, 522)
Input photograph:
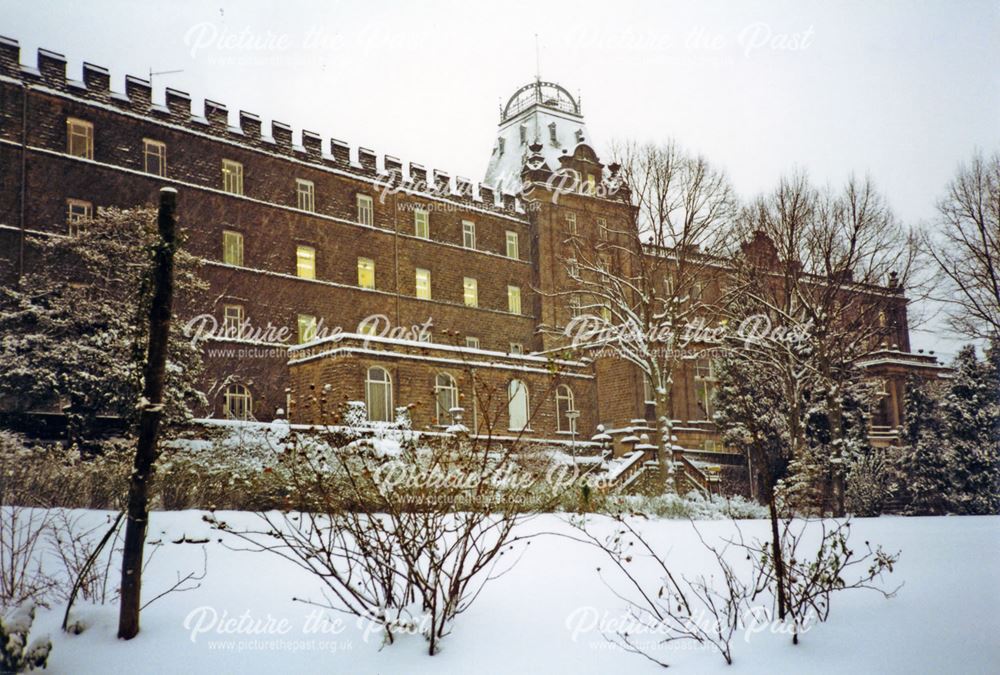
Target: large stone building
point(317, 236)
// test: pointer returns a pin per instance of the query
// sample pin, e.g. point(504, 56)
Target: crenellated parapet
point(50, 72)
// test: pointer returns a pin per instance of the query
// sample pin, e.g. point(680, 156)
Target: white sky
point(901, 90)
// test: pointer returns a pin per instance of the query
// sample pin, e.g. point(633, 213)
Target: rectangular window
point(514, 299)
point(423, 279)
point(704, 387)
point(512, 251)
point(471, 292)
point(468, 234)
point(421, 224)
point(232, 248)
point(602, 228)
point(516, 348)
point(366, 213)
point(307, 328)
point(471, 342)
point(366, 273)
point(573, 268)
point(232, 177)
point(305, 262)
point(590, 186)
point(154, 156)
point(305, 191)
point(232, 320)
point(571, 223)
point(79, 138)
point(77, 211)
point(575, 305)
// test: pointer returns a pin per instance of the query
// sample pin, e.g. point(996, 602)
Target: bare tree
point(641, 285)
point(821, 273)
point(966, 247)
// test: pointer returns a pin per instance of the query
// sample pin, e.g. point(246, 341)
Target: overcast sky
point(903, 91)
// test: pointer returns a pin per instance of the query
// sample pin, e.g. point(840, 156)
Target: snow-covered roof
point(542, 112)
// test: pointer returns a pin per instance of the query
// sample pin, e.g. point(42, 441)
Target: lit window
point(421, 224)
point(468, 234)
point(155, 156)
point(378, 395)
point(305, 262)
point(232, 320)
point(445, 398)
point(232, 177)
point(79, 138)
point(590, 186)
point(77, 213)
point(423, 279)
point(565, 420)
point(514, 299)
point(704, 387)
point(232, 248)
point(516, 348)
point(365, 210)
point(305, 191)
point(366, 273)
point(471, 342)
point(517, 405)
point(602, 228)
point(238, 403)
point(307, 328)
point(471, 292)
point(571, 223)
point(512, 251)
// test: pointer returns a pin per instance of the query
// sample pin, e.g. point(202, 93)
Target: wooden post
point(151, 411)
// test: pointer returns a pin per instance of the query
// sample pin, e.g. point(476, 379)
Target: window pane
point(421, 224)
point(514, 299)
point(517, 407)
point(306, 194)
point(468, 234)
point(366, 273)
point(512, 251)
point(423, 280)
point(471, 288)
point(305, 262)
point(378, 395)
point(232, 248)
point(365, 210)
point(307, 328)
point(232, 177)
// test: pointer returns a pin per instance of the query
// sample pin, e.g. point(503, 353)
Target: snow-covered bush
point(693, 506)
point(17, 655)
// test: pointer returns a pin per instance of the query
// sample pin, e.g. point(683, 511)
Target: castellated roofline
point(50, 73)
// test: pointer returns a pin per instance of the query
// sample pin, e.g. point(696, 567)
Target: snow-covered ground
point(536, 618)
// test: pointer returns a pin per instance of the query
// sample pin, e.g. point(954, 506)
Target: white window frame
point(305, 195)
point(421, 223)
point(232, 176)
point(305, 262)
point(602, 229)
point(514, 299)
point(157, 151)
point(513, 248)
point(564, 403)
point(705, 379)
point(232, 241)
point(516, 348)
point(386, 413)
point(238, 402)
point(77, 212)
point(366, 209)
point(232, 320)
point(471, 342)
point(79, 133)
point(366, 269)
point(422, 284)
point(444, 386)
point(571, 223)
point(470, 292)
point(518, 406)
point(469, 234)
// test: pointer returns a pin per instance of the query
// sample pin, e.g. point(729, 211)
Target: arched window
point(378, 395)
point(238, 403)
point(517, 405)
point(564, 404)
point(445, 398)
